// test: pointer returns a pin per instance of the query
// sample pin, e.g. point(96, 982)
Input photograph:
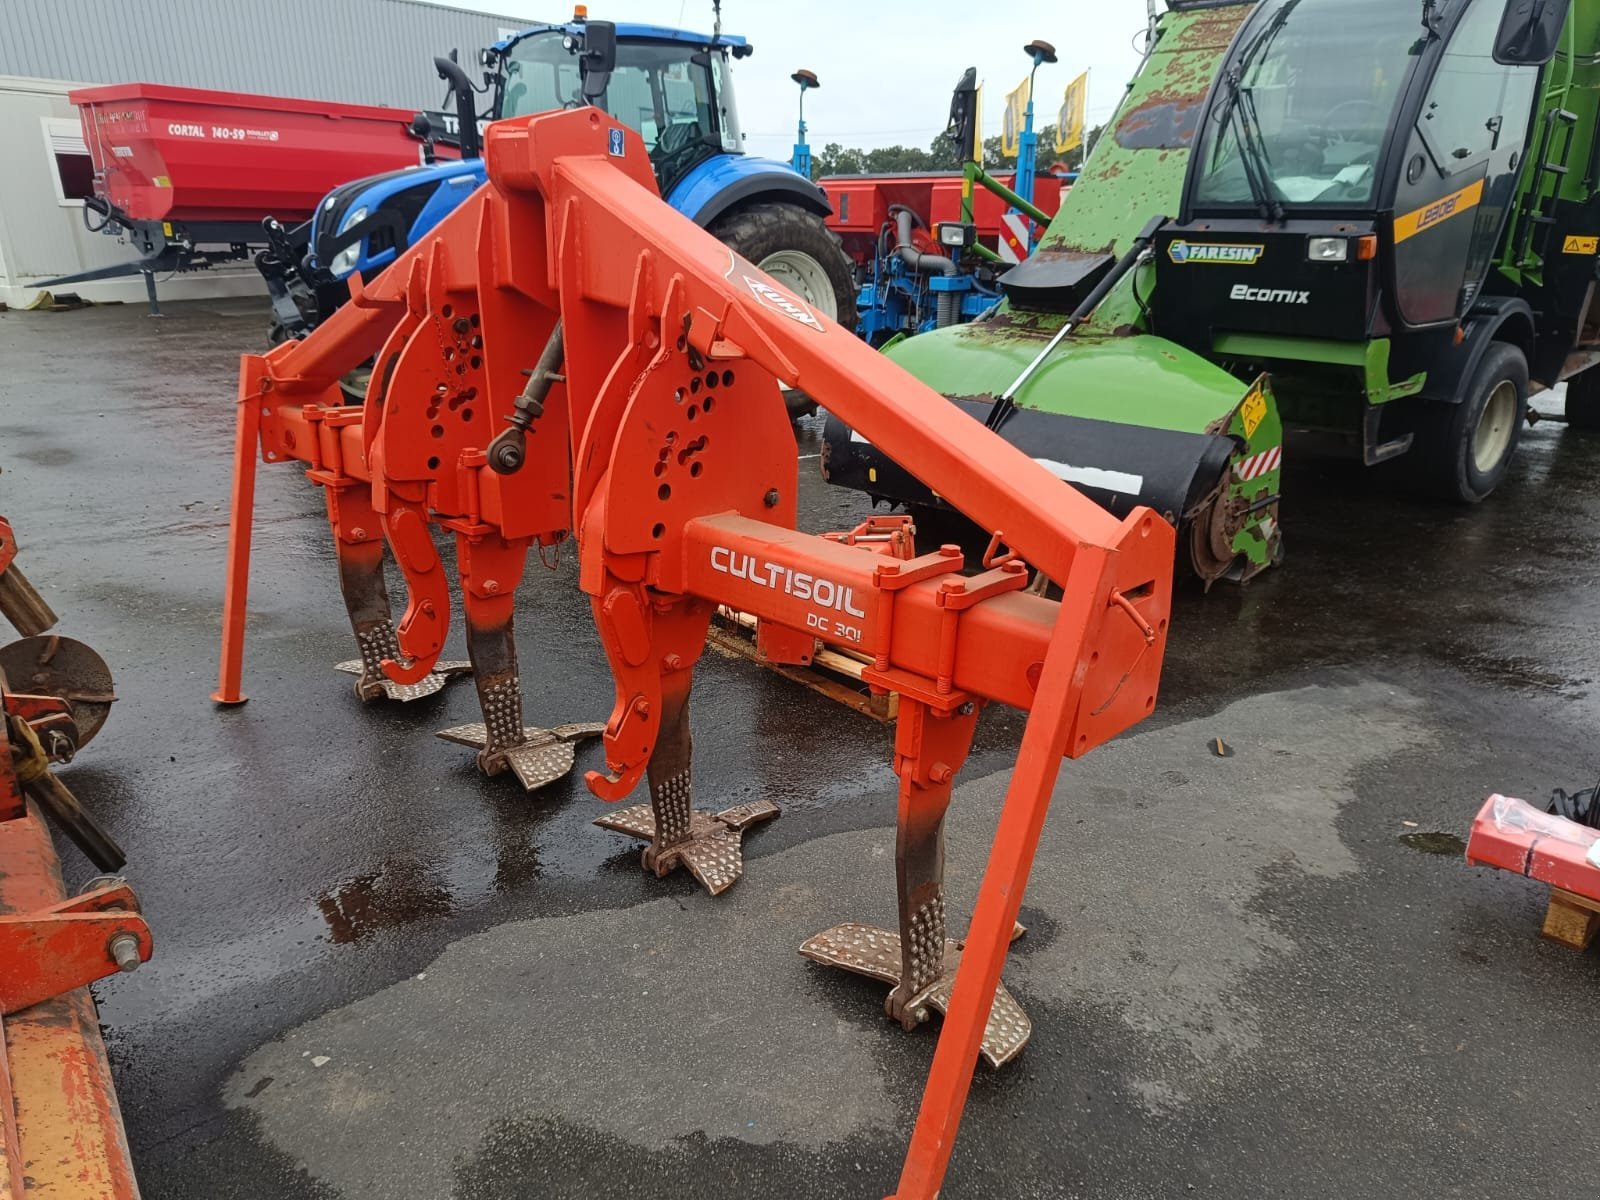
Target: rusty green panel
point(1137, 168)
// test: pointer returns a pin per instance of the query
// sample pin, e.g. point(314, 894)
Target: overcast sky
point(887, 69)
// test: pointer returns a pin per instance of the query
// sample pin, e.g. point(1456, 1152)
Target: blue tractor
point(674, 88)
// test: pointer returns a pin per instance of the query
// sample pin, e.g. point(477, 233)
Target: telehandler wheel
point(1583, 401)
point(1466, 448)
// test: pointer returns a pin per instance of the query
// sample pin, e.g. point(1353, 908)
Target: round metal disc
point(59, 666)
point(1212, 529)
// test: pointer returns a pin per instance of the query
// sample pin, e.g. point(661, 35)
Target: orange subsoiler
point(565, 355)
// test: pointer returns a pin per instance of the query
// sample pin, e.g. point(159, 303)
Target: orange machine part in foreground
point(665, 447)
point(61, 1133)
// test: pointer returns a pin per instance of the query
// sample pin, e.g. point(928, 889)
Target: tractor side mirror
point(1530, 32)
point(599, 58)
point(421, 128)
point(962, 129)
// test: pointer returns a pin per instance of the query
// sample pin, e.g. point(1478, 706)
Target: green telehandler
point(1369, 225)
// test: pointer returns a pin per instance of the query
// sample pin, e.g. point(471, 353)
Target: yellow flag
point(1069, 121)
point(1016, 117)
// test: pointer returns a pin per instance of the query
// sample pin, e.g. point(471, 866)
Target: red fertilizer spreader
point(187, 176)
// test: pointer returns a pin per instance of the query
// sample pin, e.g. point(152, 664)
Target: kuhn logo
point(782, 302)
point(176, 130)
point(822, 592)
point(1184, 253)
point(1269, 295)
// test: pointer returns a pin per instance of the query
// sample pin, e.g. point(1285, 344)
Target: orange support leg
point(1044, 744)
point(246, 438)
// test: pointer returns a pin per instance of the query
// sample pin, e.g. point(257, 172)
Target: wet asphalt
point(379, 975)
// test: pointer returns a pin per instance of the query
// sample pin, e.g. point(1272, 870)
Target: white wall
point(40, 238)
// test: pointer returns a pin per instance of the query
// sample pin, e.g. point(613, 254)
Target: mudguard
point(722, 183)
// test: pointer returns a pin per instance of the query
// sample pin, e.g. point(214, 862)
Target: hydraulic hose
point(923, 264)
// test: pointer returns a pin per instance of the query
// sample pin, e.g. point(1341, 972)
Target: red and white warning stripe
point(1258, 465)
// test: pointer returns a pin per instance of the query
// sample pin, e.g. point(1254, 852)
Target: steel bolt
point(124, 951)
point(491, 586)
point(359, 533)
point(672, 663)
point(771, 498)
point(940, 773)
point(967, 709)
point(641, 707)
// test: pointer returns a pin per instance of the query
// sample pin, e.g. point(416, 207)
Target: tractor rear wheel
point(795, 248)
point(1583, 401)
point(1466, 447)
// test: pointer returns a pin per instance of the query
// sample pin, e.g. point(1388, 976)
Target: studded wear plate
point(428, 685)
point(545, 755)
point(876, 954)
point(714, 853)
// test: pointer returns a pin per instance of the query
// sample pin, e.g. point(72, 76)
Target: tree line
point(942, 155)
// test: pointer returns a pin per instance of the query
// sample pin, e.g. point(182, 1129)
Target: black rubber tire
point(1583, 401)
point(1445, 433)
point(798, 403)
point(764, 229)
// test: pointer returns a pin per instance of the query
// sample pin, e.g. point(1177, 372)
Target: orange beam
point(60, 1128)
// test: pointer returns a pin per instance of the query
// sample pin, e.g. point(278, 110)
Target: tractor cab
point(672, 87)
point(1371, 199)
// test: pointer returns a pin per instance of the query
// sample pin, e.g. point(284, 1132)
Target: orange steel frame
point(61, 1131)
point(665, 447)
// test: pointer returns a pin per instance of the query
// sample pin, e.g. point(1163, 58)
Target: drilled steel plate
point(544, 756)
point(579, 730)
point(67, 669)
point(537, 766)
point(1008, 1028)
point(637, 821)
point(428, 685)
point(873, 952)
point(474, 734)
point(714, 852)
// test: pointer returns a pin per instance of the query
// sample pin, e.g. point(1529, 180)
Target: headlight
point(1328, 249)
point(953, 235)
point(345, 261)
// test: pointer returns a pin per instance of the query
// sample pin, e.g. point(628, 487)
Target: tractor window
point(1315, 98)
point(1475, 104)
point(674, 94)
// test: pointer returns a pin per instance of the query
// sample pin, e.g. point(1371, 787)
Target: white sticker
point(1095, 477)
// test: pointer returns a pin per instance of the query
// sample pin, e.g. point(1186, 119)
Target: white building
point(353, 51)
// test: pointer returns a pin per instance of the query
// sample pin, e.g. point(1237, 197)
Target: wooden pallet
point(1572, 920)
point(835, 674)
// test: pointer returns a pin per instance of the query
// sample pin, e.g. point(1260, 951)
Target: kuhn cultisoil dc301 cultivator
point(60, 1130)
point(652, 426)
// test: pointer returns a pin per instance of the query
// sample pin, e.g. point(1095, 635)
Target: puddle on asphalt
point(1435, 843)
point(399, 894)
